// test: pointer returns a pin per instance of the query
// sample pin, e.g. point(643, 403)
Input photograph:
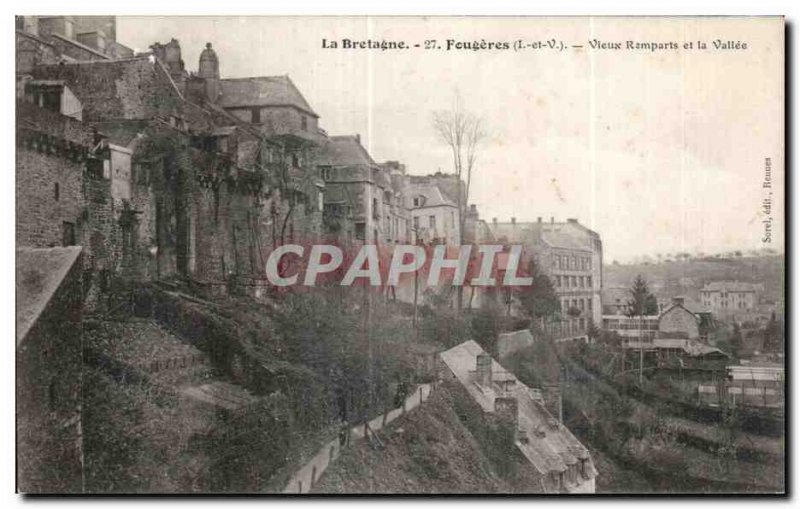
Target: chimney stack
point(507, 410)
point(552, 220)
point(539, 219)
point(678, 300)
point(494, 221)
point(552, 400)
point(483, 369)
point(514, 221)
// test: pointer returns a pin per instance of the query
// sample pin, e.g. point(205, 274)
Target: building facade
point(730, 296)
point(571, 255)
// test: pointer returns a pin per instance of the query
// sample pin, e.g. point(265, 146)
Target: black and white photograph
point(399, 255)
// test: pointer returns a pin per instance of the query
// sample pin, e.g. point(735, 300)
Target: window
point(67, 234)
point(361, 231)
point(432, 222)
point(256, 115)
point(56, 192)
point(326, 173)
point(304, 122)
point(375, 210)
point(589, 281)
point(416, 223)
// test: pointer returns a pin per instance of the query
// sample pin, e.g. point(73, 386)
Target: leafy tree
point(539, 299)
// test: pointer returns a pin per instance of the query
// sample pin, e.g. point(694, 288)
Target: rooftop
point(732, 286)
point(551, 447)
point(431, 194)
point(344, 151)
point(39, 273)
point(262, 91)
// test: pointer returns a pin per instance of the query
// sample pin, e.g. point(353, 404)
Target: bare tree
point(463, 132)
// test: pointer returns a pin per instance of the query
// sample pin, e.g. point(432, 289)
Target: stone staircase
point(144, 346)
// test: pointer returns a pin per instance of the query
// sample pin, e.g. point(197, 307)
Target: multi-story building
point(434, 216)
point(730, 296)
point(364, 200)
point(572, 256)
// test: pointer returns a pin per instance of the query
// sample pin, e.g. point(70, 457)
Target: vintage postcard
point(400, 255)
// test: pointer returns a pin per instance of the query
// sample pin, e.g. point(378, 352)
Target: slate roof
point(39, 273)
point(262, 91)
point(691, 347)
point(432, 194)
point(563, 240)
point(731, 286)
point(551, 446)
point(343, 151)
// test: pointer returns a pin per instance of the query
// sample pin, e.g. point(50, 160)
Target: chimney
point(552, 400)
point(678, 300)
point(483, 369)
point(514, 221)
point(572, 220)
point(358, 139)
point(539, 219)
point(552, 220)
point(507, 410)
point(494, 221)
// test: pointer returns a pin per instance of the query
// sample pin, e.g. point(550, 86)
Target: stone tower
point(209, 72)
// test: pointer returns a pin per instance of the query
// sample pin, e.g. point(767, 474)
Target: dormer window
point(326, 173)
point(419, 201)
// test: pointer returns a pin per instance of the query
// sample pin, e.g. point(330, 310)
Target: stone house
point(361, 203)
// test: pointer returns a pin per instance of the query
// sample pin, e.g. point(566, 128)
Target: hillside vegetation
point(445, 446)
point(669, 278)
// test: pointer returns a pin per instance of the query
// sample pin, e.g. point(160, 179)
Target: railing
point(304, 479)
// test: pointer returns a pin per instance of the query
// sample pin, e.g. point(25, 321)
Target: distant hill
point(687, 277)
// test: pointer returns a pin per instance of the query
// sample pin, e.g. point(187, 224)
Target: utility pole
point(641, 349)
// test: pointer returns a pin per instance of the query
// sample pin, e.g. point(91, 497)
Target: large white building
point(730, 296)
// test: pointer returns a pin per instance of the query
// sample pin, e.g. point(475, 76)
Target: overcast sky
point(658, 152)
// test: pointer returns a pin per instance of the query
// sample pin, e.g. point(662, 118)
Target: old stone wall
point(123, 89)
point(48, 394)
